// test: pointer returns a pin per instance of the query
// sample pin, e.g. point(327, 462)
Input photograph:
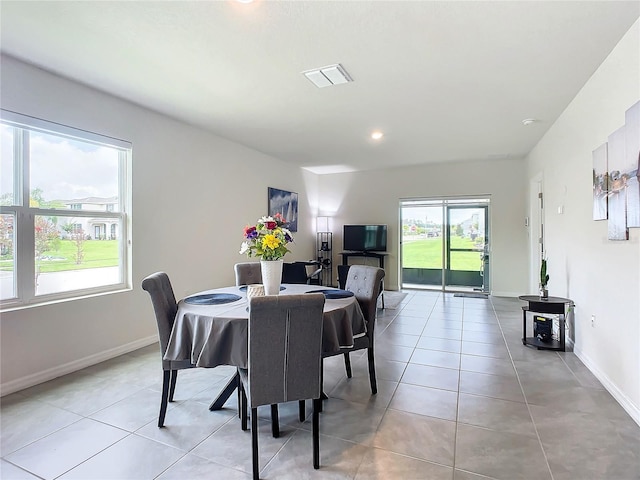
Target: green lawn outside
point(97, 253)
point(6, 264)
point(423, 253)
point(427, 253)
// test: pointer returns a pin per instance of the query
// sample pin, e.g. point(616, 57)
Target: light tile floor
point(459, 398)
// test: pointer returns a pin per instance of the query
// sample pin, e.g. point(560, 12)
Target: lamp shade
point(322, 224)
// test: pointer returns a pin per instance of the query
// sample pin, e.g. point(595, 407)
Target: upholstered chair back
point(366, 283)
point(285, 348)
point(248, 273)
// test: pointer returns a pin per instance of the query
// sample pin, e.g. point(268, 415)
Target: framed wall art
point(616, 178)
point(286, 204)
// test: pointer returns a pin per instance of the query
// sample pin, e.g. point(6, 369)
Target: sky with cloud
point(63, 168)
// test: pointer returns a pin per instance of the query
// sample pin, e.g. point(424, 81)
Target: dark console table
point(379, 255)
point(551, 305)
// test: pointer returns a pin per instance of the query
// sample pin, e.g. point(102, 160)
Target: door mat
point(472, 295)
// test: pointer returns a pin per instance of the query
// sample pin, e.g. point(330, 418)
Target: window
point(63, 211)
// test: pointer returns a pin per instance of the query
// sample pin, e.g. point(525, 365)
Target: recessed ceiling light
point(377, 135)
point(244, 1)
point(528, 121)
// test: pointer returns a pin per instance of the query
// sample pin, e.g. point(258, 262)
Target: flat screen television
point(365, 238)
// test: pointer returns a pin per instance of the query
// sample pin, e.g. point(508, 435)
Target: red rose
point(270, 225)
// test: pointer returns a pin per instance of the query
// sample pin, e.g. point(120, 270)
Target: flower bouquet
point(267, 239)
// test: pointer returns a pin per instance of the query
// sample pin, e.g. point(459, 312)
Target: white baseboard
point(55, 372)
point(505, 294)
point(569, 345)
point(621, 398)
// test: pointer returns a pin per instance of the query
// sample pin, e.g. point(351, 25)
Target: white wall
point(601, 276)
point(193, 192)
point(374, 196)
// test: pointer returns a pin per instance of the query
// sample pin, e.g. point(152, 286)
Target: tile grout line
point(526, 402)
point(455, 435)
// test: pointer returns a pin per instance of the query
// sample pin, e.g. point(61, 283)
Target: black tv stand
point(366, 253)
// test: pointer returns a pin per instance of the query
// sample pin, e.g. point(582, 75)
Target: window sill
point(16, 307)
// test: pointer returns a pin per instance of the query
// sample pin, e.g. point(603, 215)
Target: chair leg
point(316, 432)
point(254, 443)
point(275, 424)
point(301, 410)
point(172, 385)
point(239, 395)
point(243, 407)
point(166, 378)
point(372, 371)
point(347, 364)
point(322, 395)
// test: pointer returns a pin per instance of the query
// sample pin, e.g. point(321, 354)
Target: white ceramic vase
point(271, 276)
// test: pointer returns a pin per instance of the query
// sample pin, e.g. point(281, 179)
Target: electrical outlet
point(593, 321)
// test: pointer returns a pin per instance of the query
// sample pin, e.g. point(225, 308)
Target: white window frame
point(24, 215)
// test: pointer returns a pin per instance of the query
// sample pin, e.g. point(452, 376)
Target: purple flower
point(250, 232)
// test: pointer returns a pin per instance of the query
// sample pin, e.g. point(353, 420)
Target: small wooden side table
point(552, 305)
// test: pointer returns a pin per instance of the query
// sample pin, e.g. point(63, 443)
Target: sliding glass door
point(465, 246)
point(422, 244)
point(445, 244)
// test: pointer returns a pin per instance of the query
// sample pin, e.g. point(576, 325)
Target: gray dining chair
point(247, 273)
point(165, 308)
point(366, 283)
point(284, 362)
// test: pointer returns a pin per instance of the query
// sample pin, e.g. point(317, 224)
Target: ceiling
point(444, 80)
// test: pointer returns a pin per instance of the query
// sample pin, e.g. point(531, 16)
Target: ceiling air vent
point(327, 76)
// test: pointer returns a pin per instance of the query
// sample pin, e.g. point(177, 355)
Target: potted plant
point(544, 279)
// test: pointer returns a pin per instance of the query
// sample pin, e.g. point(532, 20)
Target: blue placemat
point(334, 293)
point(243, 288)
point(212, 299)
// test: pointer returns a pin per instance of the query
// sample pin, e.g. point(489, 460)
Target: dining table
point(211, 328)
